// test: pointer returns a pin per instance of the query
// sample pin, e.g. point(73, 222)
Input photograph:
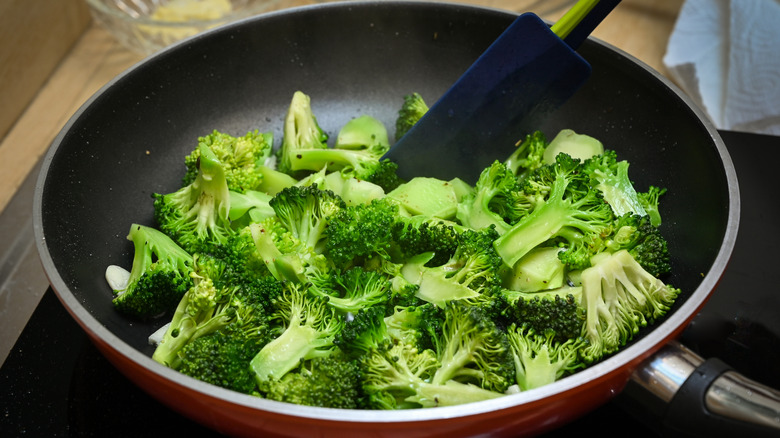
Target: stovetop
point(54, 382)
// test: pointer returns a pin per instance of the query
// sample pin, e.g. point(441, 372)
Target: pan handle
point(688, 396)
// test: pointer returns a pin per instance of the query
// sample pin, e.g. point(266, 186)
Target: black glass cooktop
point(54, 382)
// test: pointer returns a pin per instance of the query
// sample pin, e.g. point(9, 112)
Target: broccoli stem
point(451, 393)
point(284, 353)
point(541, 225)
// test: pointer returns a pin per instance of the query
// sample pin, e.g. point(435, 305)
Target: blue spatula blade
point(524, 74)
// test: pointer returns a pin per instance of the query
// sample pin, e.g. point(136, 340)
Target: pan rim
point(626, 358)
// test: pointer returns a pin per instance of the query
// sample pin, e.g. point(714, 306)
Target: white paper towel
point(726, 55)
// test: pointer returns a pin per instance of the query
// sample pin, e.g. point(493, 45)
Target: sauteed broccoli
point(323, 279)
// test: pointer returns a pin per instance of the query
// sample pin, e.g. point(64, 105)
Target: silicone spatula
point(527, 72)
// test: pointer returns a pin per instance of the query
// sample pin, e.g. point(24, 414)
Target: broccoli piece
point(557, 311)
point(472, 349)
point(197, 216)
point(650, 200)
point(360, 232)
point(158, 278)
point(495, 186)
point(610, 176)
point(540, 269)
point(306, 211)
point(204, 309)
point(419, 234)
point(274, 180)
point(329, 382)
point(352, 190)
point(643, 241)
point(249, 207)
point(360, 164)
point(286, 257)
point(301, 132)
point(474, 268)
point(418, 324)
point(540, 359)
point(222, 358)
point(385, 175)
point(412, 110)
point(364, 333)
point(399, 378)
point(308, 328)
point(357, 153)
point(353, 289)
point(528, 156)
point(241, 158)
point(241, 259)
point(578, 146)
point(570, 211)
point(364, 132)
point(619, 298)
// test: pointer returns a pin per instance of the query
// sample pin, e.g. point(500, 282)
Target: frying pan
point(128, 141)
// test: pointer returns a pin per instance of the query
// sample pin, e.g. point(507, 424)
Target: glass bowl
point(146, 26)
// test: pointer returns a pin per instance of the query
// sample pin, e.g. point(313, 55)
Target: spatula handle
point(574, 28)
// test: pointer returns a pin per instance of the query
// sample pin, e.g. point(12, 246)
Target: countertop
point(639, 27)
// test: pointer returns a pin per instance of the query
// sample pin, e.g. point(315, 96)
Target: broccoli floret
point(385, 175)
point(417, 325)
point(329, 382)
point(241, 158)
point(472, 349)
point(650, 200)
point(308, 326)
point(364, 333)
point(619, 298)
point(306, 211)
point(286, 257)
point(403, 293)
point(541, 359)
point(196, 216)
point(412, 110)
point(360, 232)
point(643, 241)
point(610, 176)
point(474, 268)
point(495, 187)
point(301, 131)
point(556, 311)
point(399, 378)
point(357, 153)
point(241, 258)
point(158, 278)
point(222, 359)
point(419, 234)
point(528, 156)
point(204, 309)
point(353, 289)
point(570, 211)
